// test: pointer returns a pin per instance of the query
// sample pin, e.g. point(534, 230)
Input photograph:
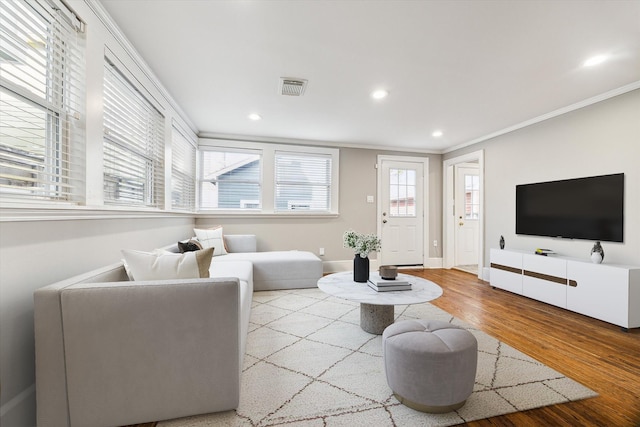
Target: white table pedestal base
point(375, 318)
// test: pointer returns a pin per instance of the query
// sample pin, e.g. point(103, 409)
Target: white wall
point(37, 253)
point(603, 138)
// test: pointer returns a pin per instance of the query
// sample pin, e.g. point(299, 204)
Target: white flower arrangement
point(362, 244)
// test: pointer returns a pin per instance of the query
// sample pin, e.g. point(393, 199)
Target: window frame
point(184, 178)
point(58, 176)
point(150, 152)
point(284, 183)
point(268, 178)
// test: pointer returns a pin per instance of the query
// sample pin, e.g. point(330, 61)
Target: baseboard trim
point(339, 266)
point(485, 274)
point(434, 263)
point(329, 267)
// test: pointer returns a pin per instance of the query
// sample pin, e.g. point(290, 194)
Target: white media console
point(607, 292)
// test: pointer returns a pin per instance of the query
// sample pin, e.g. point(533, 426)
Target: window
point(402, 192)
point(230, 179)
point(133, 144)
point(471, 196)
point(256, 178)
point(41, 99)
point(183, 170)
point(303, 182)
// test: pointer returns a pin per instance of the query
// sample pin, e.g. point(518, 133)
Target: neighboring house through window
point(230, 180)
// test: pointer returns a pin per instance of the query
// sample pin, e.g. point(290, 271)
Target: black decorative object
point(501, 242)
point(360, 269)
point(597, 253)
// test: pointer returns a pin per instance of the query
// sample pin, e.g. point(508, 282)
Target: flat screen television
point(589, 208)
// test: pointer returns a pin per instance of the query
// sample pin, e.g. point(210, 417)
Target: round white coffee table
point(377, 308)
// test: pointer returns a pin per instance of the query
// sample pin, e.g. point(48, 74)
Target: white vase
point(596, 257)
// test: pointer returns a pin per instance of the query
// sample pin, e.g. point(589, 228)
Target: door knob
point(461, 223)
point(384, 221)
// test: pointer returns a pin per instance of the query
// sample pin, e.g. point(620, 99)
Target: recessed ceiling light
point(595, 60)
point(254, 116)
point(379, 94)
point(437, 133)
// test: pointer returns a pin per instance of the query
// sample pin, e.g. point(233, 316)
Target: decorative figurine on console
point(597, 253)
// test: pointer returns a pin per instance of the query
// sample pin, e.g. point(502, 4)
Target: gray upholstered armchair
point(113, 352)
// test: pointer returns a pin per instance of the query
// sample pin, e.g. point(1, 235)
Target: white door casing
point(467, 213)
point(402, 216)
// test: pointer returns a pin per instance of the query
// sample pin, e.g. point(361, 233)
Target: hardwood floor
point(594, 353)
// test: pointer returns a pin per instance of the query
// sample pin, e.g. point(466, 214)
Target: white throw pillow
point(168, 265)
point(212, 238)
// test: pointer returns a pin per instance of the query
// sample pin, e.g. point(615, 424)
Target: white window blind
point(183, 172)
point(303, 181)
point(133, 144)
point(42, 86)
point(230, 179)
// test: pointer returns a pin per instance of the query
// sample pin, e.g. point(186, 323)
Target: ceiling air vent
point(292, 87)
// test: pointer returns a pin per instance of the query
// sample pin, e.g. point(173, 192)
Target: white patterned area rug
point(308, 363)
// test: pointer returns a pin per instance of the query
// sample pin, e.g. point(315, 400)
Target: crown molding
point(104, 17)
point(329, 144)
point(555, 113)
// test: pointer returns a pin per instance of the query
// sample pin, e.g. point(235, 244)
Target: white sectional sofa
point(272, 269)
point(110, 351)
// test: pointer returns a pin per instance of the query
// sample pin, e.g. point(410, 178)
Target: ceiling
point(471, 69)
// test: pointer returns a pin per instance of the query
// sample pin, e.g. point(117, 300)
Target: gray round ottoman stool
point(430, 365)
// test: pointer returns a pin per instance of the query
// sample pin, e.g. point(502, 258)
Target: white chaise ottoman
point(278, 269)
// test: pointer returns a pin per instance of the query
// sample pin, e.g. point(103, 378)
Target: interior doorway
point(463, 216)
point(466, 182)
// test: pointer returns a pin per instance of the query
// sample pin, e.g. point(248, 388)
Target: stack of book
point(379, 284)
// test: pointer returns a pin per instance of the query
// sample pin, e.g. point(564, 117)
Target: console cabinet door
point(599, 291)
point(506, 270)
point(545, 279)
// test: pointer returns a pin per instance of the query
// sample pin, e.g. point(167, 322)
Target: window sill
point(64, 212)
point(258, 214)
point(52, 211)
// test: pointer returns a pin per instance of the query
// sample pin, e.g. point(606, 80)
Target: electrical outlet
point(321, 251)
point(435, 243)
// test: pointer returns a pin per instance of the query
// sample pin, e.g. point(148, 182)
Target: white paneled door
point(467, 214)
point(402, 208)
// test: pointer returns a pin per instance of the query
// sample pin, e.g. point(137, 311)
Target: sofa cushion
point(163, 265)
point(212, 238)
